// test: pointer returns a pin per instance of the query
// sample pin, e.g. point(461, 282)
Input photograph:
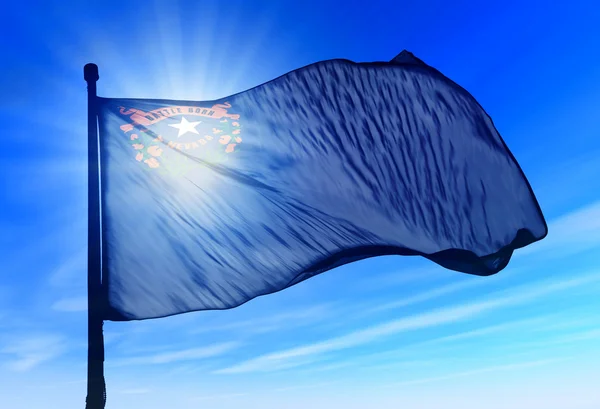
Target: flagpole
point(95, 374)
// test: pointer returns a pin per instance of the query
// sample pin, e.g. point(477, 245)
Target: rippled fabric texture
point(206, 205)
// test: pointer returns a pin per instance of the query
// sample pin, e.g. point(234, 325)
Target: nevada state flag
point(208, 204)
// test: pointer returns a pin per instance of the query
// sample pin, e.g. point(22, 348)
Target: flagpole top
point(90, 73)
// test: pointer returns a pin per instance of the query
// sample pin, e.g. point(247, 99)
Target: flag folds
point(206, 205)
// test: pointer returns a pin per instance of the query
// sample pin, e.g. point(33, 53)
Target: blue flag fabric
point(206, 205)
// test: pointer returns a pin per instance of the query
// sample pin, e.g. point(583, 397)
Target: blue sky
point(382, 333)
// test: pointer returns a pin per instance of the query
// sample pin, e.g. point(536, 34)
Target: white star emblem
point(184, 127)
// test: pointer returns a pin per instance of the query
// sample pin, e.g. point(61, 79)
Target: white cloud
point(219, 397)
point(402, 277)
point(570, 323)
point(366, 361)
point(72, 271)
point(569, 234)
point(434, 318)
point(492, 329)
point(431, 294)
point(330, 367)
point(308, 386)
point(399, 365)
point(111, 337)
point(274, 322)
point(496, 368)
point(74, 304)
point(563, 339)
point(574, 178)
point(178, 356)
point(135, 391)
point(30, 351)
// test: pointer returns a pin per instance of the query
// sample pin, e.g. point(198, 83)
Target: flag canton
point(170, 138)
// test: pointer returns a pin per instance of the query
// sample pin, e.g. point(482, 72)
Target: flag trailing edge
point(206, 205)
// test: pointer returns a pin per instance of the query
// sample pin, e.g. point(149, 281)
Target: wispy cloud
point(402, 277)
point(560, 340)
point(569, 234)
point(275, 322)
point(219, 397)
point(134, 391)
point(331, 367)
point(492, 329)
point(74, 304)
point(496, 368)
point(178, 356)
point(112, 336)
point(283, 389)
point(279, 365)
point(305, 386)
point(429, 295)
point(570, 323)
point(575, 178)
point(425, 320)
point(179, 370)
point(30, 351)
point(367, 361)
point(71, 271)
point(63, 384)
point(398, 365)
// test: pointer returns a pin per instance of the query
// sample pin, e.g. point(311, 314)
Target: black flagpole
point(95, 376)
